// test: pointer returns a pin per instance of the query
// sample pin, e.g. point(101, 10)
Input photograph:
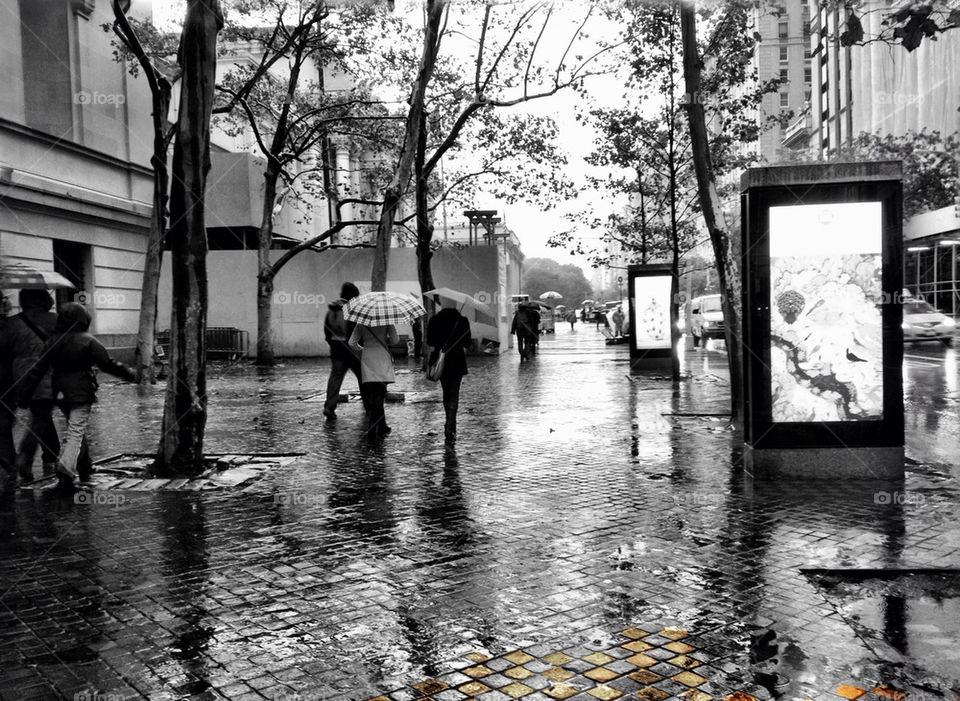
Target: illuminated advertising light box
point(821, 328)
point(653, 315)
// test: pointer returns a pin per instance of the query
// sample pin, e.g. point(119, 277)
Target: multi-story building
point(877, 87)
point(884, 89)
point(784, 52)
point(75, 145)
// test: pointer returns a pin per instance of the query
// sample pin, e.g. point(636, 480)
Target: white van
point(706, 318)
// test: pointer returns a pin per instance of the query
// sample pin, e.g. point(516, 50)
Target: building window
point(783, 30)
point(784, 76)
point(808, 75)
point(783, 54)
point(784, 99)
point(807, 52)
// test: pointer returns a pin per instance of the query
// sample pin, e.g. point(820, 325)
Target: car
point(706, 318)
point(922, 322)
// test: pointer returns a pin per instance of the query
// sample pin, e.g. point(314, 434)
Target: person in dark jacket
point(526, 327)
point(73, 354)
point(8, 415)
point(449, 330)
point(29, 331)
point(337, 331)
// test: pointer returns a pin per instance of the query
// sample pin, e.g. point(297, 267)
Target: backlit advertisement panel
point(651, 311)
point(826, 340)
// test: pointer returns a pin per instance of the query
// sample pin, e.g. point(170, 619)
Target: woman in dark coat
point(450, 330)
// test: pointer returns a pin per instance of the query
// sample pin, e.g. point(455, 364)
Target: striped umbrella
point(17, 276)
point(382, 308)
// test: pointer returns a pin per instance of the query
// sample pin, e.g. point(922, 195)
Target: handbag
point(435, 369)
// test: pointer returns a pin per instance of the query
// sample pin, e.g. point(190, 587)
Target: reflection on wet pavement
point(579, 500)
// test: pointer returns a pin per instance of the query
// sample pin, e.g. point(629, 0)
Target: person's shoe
point(330, 414)
point(49, 468)
point(66, 476)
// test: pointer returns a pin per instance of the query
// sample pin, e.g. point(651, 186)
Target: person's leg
point(78, 415)
point(40, 432)
point(338, 368)
point(451, 403)
point(376, 418)
point(49, 440)
point(84, 462)
point(8, 453)
point(28, 445)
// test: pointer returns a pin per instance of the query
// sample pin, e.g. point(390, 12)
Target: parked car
point(706, 318)
point(922, 322)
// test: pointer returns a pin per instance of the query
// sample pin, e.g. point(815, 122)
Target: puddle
point(903, 614)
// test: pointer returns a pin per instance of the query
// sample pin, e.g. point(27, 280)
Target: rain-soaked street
point(590, 536)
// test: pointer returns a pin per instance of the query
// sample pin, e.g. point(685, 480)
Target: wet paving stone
point(582, 511)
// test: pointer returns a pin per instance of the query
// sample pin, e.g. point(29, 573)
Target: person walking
point(372, 344)
point(572, 318)
point(618, 322)
point(72, 354)
point(449, 331)
point(337, 331)
point(29, 331)
point(600, 318)
point(526, 329)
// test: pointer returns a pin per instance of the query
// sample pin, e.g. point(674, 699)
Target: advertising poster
point(826, 341)
point(651, 311)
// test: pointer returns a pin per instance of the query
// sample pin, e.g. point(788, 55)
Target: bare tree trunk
point(401, 177)
point(185, 406)
point(149, 286)
point(160, 94)
point(674, 234)
point(265, 273)
point(723, 243)
point(424, 227)
point(424, 234)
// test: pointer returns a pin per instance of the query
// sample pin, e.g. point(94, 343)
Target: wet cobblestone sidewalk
point(578, 503)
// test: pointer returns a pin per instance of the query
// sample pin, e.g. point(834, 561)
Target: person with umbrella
point(526, 325)
point(375, 314)
point(29, 331)
point(72, 353)
point(449, 331)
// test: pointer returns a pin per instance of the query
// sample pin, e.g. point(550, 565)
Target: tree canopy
point(545, 274)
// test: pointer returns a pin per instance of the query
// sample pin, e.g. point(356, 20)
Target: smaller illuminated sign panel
point(826, 335)
point(651, 312)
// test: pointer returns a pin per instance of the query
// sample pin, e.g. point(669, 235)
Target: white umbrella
point(461, 298)
point(17, 276)
point(550, 294)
